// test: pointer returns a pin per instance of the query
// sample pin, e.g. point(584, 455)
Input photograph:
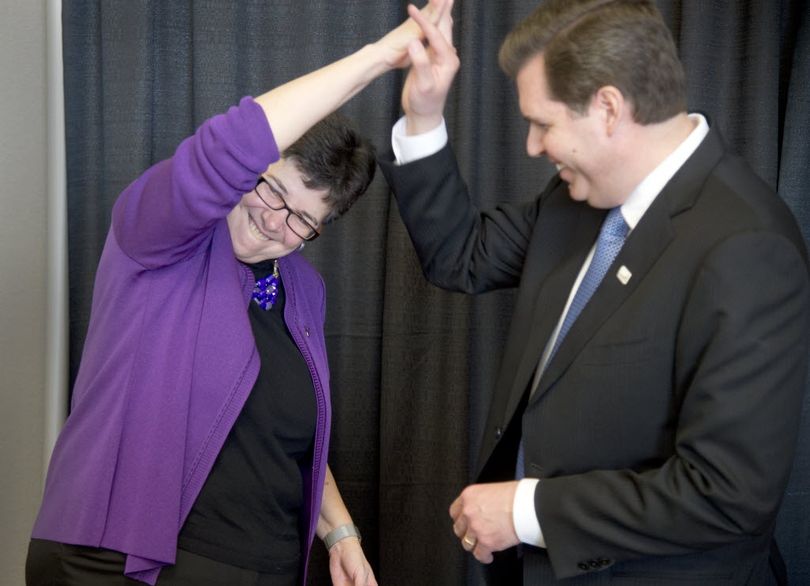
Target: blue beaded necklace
point(266, 289)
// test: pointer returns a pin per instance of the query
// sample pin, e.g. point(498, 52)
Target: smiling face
point(259, 233)
point(575, 143)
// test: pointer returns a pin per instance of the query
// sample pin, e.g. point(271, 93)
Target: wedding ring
point(469, 542)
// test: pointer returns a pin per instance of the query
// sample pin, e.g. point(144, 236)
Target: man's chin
point(576, 194)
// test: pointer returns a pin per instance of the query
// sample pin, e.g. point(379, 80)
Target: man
point(646, 410)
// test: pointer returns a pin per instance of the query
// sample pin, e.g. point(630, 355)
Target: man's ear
point(609, 104)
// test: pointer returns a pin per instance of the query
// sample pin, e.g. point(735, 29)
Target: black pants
point(50, 563)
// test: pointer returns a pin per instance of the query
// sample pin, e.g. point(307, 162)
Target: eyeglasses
point(295, 221)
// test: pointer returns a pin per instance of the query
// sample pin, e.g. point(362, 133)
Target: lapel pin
point(624, 275)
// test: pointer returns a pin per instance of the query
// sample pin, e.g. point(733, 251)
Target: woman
point(195, 452)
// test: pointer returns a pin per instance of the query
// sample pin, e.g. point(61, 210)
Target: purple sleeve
point(167, 214)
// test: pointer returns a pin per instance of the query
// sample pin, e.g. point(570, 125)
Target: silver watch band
point(342, 532)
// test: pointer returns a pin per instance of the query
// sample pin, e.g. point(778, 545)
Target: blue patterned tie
point(611, 238)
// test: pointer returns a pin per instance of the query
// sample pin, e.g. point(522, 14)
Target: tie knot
point(614, 225)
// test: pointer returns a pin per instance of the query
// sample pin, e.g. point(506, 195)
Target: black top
point(248, 512)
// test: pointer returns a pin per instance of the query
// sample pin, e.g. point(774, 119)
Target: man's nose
point(534, 143)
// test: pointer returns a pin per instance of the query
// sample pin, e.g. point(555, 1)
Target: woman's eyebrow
point(277, 182)
point(280, 186)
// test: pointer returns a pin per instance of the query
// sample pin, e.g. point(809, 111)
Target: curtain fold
point(412, 366)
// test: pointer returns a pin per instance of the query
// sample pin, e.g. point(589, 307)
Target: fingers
point(421, 67)
point(363, 575)
point(483, 555)
point(459, 523)
point(361, 578)
point(482, 519)
point(460, 529)
point(455, 508)
point(442, 19)
point(445, 24)
point(442, 15)
point(434, 10)
point(439, 39)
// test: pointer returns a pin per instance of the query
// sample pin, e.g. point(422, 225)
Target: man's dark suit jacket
point(663, 429)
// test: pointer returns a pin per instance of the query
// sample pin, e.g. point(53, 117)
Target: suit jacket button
point(583, 566)
point(595, 564)
point(605, 562)
point(498, 432)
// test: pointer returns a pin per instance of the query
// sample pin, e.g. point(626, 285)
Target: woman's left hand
point(348, 565)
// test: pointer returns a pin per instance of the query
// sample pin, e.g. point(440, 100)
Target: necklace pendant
point(266, 289)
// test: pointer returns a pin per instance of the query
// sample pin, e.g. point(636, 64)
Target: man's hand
point(482, 518)
point(432, 71)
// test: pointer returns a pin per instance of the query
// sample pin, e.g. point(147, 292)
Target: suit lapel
point(643, 246)
point(551, 299)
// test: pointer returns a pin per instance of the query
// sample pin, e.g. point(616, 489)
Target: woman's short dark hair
point(588, 44)
point(332, 155)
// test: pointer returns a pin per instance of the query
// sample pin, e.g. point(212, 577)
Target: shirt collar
point(645, 193)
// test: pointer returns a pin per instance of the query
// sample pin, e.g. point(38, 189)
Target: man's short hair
point(332, 155)
point(589, 44)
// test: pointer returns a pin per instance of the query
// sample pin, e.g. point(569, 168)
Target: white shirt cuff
point(524, 515)
point(417, 146)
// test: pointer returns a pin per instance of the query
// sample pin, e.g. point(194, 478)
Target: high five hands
point(396, 44)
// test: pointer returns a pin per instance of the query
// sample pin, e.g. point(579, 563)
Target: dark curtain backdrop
point(412, 366)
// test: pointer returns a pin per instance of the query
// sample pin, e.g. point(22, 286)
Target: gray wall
point(23, 269)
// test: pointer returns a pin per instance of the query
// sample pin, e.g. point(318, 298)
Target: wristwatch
point(342, 532)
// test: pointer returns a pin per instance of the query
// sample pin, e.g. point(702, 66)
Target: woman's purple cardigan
point(169, 357)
